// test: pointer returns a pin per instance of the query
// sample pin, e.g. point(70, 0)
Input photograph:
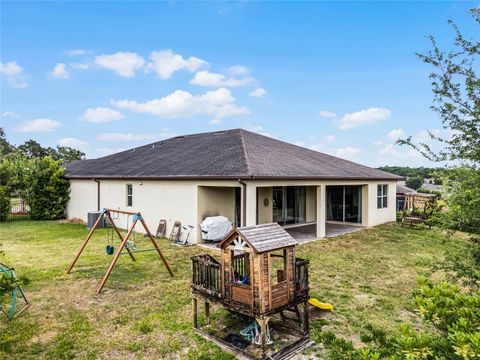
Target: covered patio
point(308, 233)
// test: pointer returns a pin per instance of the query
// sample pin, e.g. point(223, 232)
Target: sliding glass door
point(289, 205)
point(344, 203)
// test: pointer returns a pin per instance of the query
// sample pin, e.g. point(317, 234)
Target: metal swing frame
point(17, 293)
point(136, 217)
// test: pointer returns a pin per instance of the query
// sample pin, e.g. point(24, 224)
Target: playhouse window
point(241, 268)
point(278, 271)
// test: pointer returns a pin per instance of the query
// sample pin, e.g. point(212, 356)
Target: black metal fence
point(19, 210)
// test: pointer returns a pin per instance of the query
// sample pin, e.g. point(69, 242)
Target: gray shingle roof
point(266, 237)
point(224, 154)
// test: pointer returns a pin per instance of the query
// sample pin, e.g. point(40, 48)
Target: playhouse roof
point(265, 237)
point(229, 154)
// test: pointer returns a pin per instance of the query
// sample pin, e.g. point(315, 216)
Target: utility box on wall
point(92, 218)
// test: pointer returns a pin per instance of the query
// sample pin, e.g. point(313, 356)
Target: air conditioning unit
point(92, 219)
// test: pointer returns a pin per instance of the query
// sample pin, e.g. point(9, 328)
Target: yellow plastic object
point(320, 305)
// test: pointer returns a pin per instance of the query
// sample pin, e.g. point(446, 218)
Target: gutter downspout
point(98, 193)
point(244, 201)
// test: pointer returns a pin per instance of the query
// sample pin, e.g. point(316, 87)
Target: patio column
point(251, 218)
point(321, 207)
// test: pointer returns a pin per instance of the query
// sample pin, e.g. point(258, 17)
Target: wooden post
point(207, 313)
point(155, 244)
point(115, 258)
point(194, 304)
point(92, 230)
point(306, 323)
point(263, 334)
point(118, 233)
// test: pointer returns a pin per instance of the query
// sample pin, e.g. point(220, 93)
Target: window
point(382, 196)
point(241, 268)
point(278, 267)
point(129, 194)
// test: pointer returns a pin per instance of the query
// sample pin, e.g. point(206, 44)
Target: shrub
point(5, 203)
point(454, 316)
point(48, 190)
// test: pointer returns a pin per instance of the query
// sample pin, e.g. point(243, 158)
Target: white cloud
point(78, 52)
point(80, 66)
point(10, 114)
point(389, 149)
point(73, 143)
point(218, 103)
point(327, 114)
point(363, 117)
point(238, 70)
point(424, 135)
point(346, 152)
point(396, 134)
point(60, 71)
point(215, 121)
point(258, 92)
point(378, 142)
point(101, 115)
point(165, 63)
point(38, 125)
point(205, 78)
point(14, 73)
point(323, 141)
point(123, 137)
point(124, 63)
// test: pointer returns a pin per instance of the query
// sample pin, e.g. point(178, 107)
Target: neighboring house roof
point(237, 153)
point(404, 189)
point(428, 186)
point(261, 238)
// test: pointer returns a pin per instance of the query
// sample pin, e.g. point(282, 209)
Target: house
point(247, 177)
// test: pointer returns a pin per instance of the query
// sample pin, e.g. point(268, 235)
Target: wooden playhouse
point(258, 276)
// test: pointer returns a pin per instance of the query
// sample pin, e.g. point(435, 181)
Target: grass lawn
point(143, 313)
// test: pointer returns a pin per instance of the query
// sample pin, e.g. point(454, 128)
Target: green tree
point(67, 154)
point(5, 147)
point(456, 89)
point(414, 182)
point(48, 190)
point(32, 149)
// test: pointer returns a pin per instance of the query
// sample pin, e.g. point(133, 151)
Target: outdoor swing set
point(128, 245)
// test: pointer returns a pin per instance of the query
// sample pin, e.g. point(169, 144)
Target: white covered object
point(215, 228)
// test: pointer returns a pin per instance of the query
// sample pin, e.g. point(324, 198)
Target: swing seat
point(109, 250)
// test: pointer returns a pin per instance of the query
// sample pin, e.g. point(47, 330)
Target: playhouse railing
point(301, 277)
point(206, 275)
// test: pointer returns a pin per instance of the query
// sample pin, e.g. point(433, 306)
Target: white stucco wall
point(155, 199)
point(178, 200)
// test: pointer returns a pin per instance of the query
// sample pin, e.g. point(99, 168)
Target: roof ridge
point(244, 148)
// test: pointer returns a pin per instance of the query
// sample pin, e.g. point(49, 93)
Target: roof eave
point(229, 177)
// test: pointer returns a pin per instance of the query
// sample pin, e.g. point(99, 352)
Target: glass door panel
point(335, 203)
point(277, 205)
point(289, 204)
point(353, 204)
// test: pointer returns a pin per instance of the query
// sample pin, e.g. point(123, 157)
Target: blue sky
point(337, 77)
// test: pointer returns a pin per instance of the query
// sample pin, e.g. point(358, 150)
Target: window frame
point(382, 196)
point(129, 196)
